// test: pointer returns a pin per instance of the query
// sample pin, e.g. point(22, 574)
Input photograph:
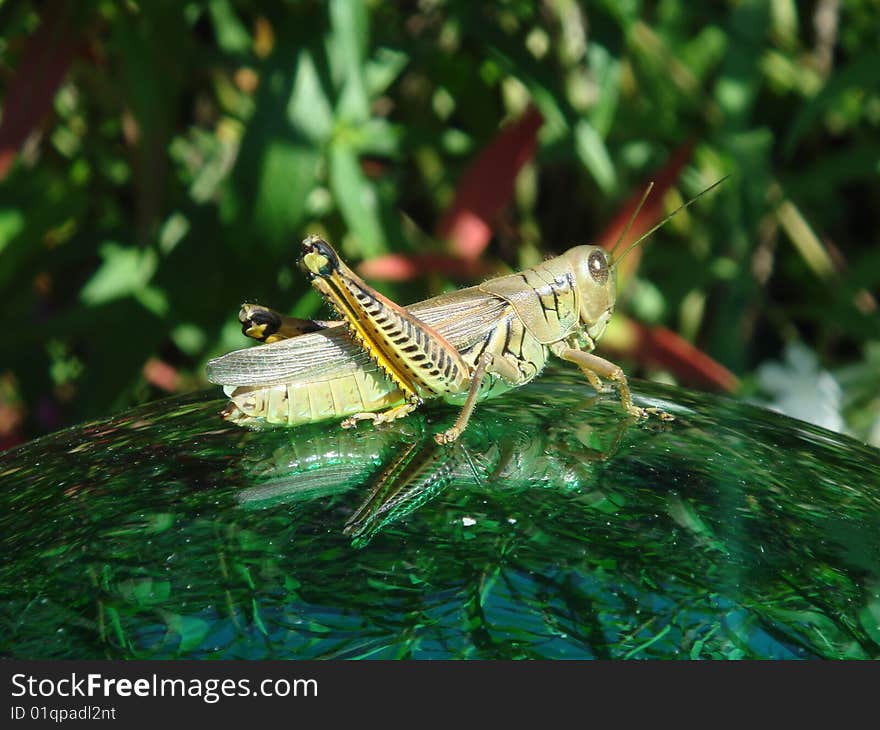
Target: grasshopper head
point(596, 280)
point(596, 270)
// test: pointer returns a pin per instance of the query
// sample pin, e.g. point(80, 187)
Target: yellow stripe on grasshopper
point(415, 356)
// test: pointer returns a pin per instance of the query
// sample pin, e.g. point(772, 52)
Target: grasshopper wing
point(322, 355)
point(463, 317)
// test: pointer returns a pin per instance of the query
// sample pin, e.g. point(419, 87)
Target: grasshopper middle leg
point(487, 364)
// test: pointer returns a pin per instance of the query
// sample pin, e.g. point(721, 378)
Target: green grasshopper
point(381, 361)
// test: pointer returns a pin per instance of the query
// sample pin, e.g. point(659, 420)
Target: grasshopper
point(381, 361)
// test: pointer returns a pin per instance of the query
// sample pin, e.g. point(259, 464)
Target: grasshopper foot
point(450, 435)
point(645, 413)
point(637, 412)
point(658, 413)
point(352, 421)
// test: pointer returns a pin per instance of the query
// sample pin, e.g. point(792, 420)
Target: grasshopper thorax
point(596, 281)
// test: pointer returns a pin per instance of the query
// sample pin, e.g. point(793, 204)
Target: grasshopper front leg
point(417, 359)
point(595, 367)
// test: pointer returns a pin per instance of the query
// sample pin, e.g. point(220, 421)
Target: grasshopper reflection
point(401, 468)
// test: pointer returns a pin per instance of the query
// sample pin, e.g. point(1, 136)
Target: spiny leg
point(497, 360)
point(267, 325)
point(593, 367)
point(415, 357)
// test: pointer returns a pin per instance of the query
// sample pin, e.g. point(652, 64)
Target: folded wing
point(463, 317)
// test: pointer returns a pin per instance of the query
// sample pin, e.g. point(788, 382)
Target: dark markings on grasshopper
point(505, 347)
point(555, 300)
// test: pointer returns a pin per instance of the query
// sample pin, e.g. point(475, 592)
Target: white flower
point(801, 389)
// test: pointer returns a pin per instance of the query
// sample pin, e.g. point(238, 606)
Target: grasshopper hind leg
point(417, 359)
point(267, 325)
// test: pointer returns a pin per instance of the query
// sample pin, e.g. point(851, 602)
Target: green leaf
point(232, 36)
point(287, 176)
point(606, 69)
point(11, 224)
point(704, 51)
point(309, 109)
point(383, 69)
point(594, 155)
point(378, 137)
point(350, 26)
point(861, 73)
point(189, 337)
point(357, 200)
point(740, 80)
point(543, 87)
point(153, 299)
point(277, 164)
point(124, 272)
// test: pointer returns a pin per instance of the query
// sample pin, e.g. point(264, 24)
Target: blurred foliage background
point(160, 162)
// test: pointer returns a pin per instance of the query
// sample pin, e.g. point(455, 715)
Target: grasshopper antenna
point(632, 218)
point(666, 219)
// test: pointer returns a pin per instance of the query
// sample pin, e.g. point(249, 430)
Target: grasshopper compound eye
point(319, 258)
point(598, 266)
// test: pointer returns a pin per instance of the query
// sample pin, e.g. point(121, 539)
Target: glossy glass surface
point(557, 528)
